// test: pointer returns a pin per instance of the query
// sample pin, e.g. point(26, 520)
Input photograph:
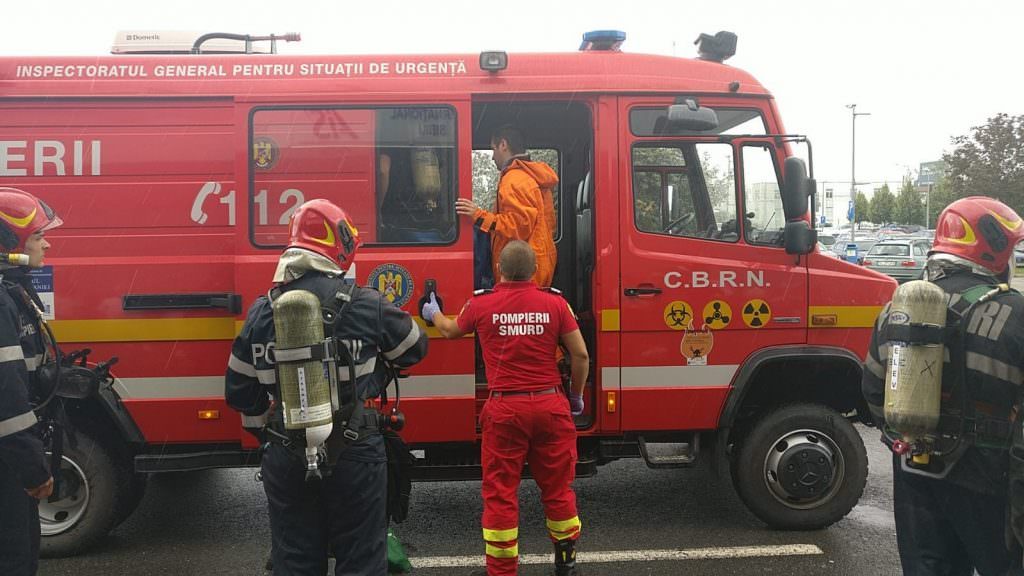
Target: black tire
point(801, 467)
point(129, 502)
point(95, 478)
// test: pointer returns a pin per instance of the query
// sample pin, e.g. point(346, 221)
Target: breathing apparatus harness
point(957, 430)
point(351, 412)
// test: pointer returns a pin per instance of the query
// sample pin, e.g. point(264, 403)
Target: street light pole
point(927, 208)
point(853, 165)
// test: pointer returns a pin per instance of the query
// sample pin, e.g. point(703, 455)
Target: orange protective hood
point(540, 172)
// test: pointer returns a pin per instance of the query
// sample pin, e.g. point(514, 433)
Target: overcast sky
point(926, 71)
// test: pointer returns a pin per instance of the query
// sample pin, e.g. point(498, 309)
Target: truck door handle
point(642, 291)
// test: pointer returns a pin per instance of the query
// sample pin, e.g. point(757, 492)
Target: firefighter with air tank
point(943, 380)
point(304, 371)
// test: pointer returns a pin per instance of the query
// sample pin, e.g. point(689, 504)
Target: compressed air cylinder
point(913, 375)
point(426, 173)
point(305, 387)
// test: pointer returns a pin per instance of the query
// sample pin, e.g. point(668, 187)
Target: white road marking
point(716, 553)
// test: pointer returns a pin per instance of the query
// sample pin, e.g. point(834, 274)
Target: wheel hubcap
point(804, 469)
point(69, 504)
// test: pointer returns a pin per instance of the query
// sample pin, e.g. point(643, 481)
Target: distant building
point(762, 198)
point(930, 173)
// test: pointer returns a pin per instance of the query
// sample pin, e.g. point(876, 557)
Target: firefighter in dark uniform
point(346, 512)
point(24, 474)
point(527, 416)
point(951, 519)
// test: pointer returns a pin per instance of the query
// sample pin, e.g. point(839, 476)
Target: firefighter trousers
point(946, 529)
point(19, 527)
point(538, 429)
point(344, 514)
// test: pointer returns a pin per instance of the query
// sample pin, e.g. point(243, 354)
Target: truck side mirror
point(795, 188)
point(799, 238)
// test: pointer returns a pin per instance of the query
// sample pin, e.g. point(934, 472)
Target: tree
point(861, 206)
point(909, 209)
point(940, 196)
point(990, 161)
point(883, 206)
point(485, 179)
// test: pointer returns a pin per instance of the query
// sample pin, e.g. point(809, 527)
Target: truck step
point(669, 455)
point(422, 472)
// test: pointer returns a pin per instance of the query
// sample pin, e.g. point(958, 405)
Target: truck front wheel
point(801, 467)
point(93, 479)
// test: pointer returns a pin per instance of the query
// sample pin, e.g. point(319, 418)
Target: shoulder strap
point(334, 308)
point(482, 291)
point(552, 290)
point(976, 294)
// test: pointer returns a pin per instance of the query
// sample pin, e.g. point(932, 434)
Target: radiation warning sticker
point(696, 345)
point(717, 314)
point(756, 313)
point(678, 315)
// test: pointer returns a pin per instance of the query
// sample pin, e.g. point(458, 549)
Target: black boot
point(565, 558)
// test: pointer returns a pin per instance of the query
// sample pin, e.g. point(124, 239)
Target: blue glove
point(576, 404)
point(430, 308)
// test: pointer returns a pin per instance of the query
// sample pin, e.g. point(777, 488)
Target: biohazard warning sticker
point(717, 314)
point(696, 345)
point(678, 315)
point(756, 313)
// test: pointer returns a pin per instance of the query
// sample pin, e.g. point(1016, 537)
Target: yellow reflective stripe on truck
point(162, 329)
point(842, 316)
point(144, 329)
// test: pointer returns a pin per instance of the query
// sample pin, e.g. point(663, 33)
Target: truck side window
point(392, 169)
point(684, 189)
point(764, 221)
point(415, 175)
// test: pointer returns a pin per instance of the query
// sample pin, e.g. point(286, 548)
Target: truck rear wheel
point(93, 481)
point(801, 467)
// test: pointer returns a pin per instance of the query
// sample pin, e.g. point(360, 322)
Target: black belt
point(500, 393)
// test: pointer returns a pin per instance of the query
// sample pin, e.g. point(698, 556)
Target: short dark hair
point(517, 261)
point(512, 135)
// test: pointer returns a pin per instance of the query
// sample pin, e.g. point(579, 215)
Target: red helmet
point(322, 227)
point(22, 215)
point(980, 229)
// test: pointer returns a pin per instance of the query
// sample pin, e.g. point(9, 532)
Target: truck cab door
point(705, 280)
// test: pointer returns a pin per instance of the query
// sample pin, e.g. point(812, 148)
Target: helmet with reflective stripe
point(981, 230)
point(322, 227)
point(22, 215)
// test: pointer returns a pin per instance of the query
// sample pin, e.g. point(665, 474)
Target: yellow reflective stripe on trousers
point(501, 535)
point(495, 552)
point(562, 529)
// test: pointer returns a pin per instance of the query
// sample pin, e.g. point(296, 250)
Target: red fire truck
point(684, 238)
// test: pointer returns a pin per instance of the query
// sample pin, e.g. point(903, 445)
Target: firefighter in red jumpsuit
point(520, 326)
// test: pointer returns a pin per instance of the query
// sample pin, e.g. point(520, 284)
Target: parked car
point(822, 248)
point(1018, 255)
point(863, 246)
point(901, 259)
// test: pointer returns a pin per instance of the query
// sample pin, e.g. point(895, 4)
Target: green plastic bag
point(398, 562)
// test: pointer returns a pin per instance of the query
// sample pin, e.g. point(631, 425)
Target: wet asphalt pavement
point(215, 522)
